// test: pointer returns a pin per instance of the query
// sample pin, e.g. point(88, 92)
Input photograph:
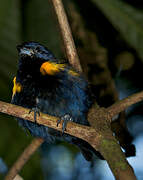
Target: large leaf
point(128, 20)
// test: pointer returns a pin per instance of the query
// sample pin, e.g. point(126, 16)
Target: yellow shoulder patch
point(17, 87)
point(73, 73)
point(51, 68)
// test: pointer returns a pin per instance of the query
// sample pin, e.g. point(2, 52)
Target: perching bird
point(45, 84)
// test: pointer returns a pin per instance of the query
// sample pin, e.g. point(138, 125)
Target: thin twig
point(24, 157)
point(66, 34)
point(121, 105)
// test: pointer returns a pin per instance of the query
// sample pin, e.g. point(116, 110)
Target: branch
point(100, 137)
point(24, 157)
point(121, 105)
point(108, 146)
point(81, 131)
point(66, 34)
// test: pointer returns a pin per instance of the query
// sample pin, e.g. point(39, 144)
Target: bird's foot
point(36, 111)
point(66, 118)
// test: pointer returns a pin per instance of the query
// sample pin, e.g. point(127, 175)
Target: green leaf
point(126, 19)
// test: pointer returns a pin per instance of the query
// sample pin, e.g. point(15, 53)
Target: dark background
point(108, 35)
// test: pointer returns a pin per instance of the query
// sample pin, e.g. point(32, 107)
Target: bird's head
point(32, 55)
point(33, 51)
point(34, 58)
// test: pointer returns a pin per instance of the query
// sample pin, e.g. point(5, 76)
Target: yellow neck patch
point(51, 68)
point(17, 87)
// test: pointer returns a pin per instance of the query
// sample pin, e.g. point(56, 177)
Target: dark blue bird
point(53, 87)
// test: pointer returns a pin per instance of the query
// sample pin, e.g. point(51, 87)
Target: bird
point(46, 84)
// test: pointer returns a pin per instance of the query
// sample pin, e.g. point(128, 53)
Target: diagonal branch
point(81, 131)
point(24, 157)
point(66, 34)
point(121, 105)
point(72, 128)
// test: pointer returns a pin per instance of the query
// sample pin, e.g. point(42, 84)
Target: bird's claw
point(36, 111)
point(66, 118)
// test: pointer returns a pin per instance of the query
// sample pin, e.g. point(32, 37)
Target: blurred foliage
point(40, 24)
point(126, 19)
point(9, 37)
point(110, 23)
